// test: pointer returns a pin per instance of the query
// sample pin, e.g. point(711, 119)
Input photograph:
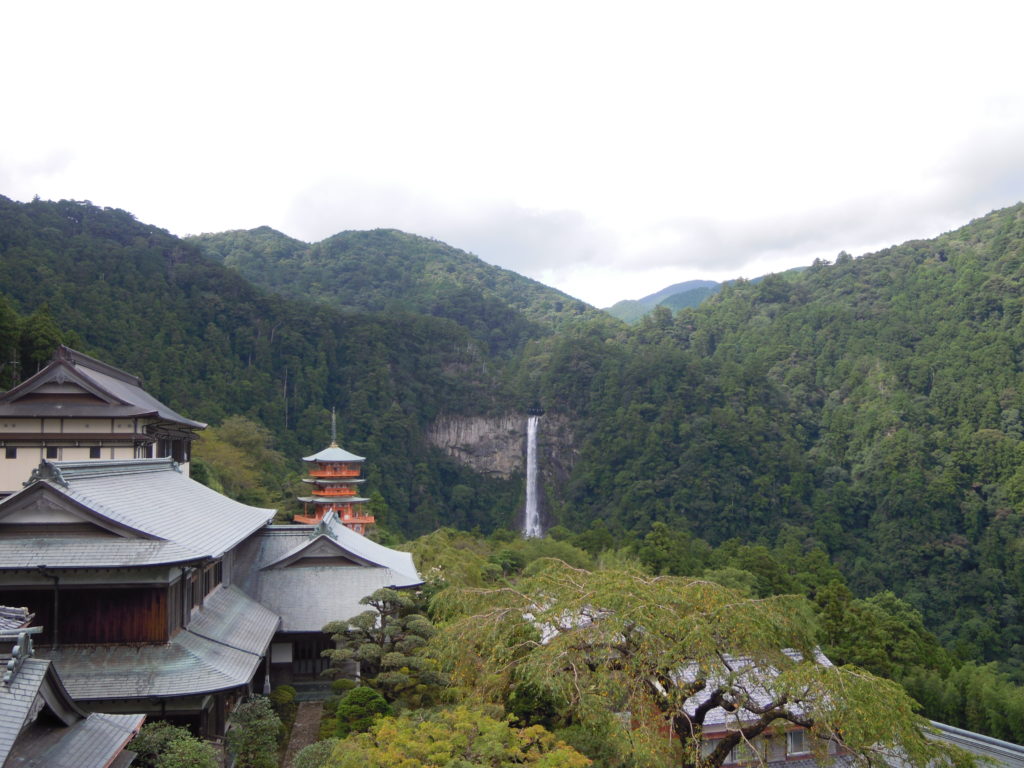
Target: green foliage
point(316, 755)
point(162, 745)
point(463, 737)
point(388, 643)
point(254, 734)
point(358, 709)
point(236, 458)
point(607, 642)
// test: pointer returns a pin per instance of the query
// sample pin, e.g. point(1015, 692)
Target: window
point(94, 452)
point(11, 453)
point(51, 452)
point(796, 743)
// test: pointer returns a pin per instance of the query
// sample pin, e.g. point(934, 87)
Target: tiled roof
point(219, 650)
point(12, 618)
point(16, 702)
point(1002, 752)
point(309, 596)
point(81, 552)
point(123, 391)
point(150, 495)
point(90, 743)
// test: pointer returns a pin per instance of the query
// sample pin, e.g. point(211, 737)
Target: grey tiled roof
point(12, 618)
point(90, 743)
point(1002, 752)
point(307, 597)
point(123, 390)
point(220, 650)
point(79, 552)
point(150, 495)
point(16, 702)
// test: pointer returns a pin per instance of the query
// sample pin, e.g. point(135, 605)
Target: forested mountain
point(871, 409)
point(211, 343)
point(686, 294)
point(874, 404)
point(388, 270)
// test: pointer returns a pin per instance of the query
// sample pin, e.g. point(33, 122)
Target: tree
point(387, 641)
point(463, 737)
point(668, 651)
point(254, 734)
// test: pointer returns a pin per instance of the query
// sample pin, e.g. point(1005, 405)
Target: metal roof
point(333, 453)
point(83, 552)
point(219, 650)
point(1003, 752)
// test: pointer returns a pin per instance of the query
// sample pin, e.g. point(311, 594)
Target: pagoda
point(334, 474)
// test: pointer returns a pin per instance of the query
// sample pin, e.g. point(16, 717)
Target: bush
point(315, 755)
point(162, 745)
point(343, 685)
point(282, 699)
point(358, 710)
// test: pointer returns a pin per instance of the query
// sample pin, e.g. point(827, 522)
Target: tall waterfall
point(531, 521)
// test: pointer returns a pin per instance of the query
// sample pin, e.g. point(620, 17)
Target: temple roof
point(333, 453)
point(220, 649)
point(141, 512)
point(115, 393)
point(70, 737)
point(280, 568)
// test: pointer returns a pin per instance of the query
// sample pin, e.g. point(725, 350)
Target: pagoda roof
point(139, 512)
point(113, 393)
point(333, 453)
point(346, 480)
point(332, 499)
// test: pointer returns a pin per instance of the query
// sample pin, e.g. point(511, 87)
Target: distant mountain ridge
point(385, 270)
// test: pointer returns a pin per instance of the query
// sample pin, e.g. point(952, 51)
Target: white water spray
point(531, 521)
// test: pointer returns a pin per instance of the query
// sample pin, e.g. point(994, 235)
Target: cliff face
point(497, 445)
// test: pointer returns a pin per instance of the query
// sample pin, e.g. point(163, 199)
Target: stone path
point(305, 730)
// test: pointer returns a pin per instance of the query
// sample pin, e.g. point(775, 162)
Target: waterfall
point(531, 520)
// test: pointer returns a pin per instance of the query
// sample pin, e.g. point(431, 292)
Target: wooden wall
point(91, 615)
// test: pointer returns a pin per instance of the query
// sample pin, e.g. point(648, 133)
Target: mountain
point(387, 270)
point(631, 310)
point(211, 344)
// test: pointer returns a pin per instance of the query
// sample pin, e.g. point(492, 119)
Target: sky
point(605, 149)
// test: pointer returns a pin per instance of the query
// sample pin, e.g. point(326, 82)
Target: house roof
point(1003, 752)
point(333, 453)
point(219, 650)
point(121, 392)
point(160, 515)
point(71, 739)
point(278, 568)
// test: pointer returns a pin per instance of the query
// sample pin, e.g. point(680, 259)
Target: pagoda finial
point(334, 429)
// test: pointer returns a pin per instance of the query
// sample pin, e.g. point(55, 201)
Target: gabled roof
point(219, 650)
point(121, 393)
point(278, 567)
point(74, 739)
point(333, 453)
point(160, 515)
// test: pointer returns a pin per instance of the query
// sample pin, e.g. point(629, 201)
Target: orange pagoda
point(334, 474)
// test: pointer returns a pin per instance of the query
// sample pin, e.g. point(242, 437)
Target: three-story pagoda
point(335, 475)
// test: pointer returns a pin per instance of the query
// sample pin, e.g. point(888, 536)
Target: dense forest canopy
point(869, 410)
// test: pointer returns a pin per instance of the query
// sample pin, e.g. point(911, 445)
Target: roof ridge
point(76, 358)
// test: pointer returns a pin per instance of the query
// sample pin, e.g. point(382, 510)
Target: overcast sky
point(606, 149)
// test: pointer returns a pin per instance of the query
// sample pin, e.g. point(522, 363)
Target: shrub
point(315, 755)
point(358, 709)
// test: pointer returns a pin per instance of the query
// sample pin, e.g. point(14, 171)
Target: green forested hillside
point(211, 344)
point(871, 409)
point(387, 270)
point(875, 403)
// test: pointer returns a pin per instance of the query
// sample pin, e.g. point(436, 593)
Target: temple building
point(335, 474)
point(79, 409)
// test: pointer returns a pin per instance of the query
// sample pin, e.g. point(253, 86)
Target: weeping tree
point(652, 661)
